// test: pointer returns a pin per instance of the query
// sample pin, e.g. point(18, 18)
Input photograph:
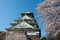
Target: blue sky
point(11, 10)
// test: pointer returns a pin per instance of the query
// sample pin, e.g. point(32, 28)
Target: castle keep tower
point(25, 28)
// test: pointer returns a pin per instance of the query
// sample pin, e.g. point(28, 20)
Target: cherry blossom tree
point(50, 11)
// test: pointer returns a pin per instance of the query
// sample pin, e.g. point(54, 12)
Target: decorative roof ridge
point(27, 17)
point(27, 12)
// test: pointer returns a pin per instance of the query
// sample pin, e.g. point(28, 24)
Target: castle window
point(35, 26)
point(29, 21)
point(32, 21)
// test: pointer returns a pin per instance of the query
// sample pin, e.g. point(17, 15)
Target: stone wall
point(2, 35)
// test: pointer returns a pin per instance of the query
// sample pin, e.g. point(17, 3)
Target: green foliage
point(43, 38)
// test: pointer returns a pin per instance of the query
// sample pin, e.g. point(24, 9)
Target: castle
point(25, 28)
